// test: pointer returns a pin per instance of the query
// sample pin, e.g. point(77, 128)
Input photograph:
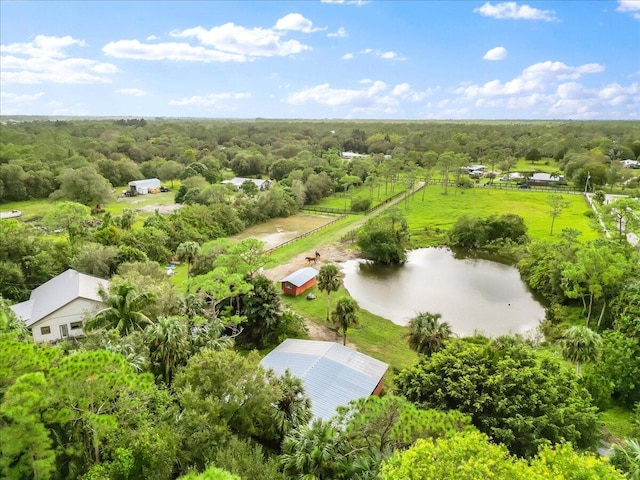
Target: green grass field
point(441, 211)
point(337, 200)
point(376, 336)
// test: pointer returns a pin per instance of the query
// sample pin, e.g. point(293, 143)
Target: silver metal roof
point(58, 292)
point(147, 182)
point(300, 277)
point(333, 374)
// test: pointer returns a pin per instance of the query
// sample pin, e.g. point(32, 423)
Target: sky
point(322, 59)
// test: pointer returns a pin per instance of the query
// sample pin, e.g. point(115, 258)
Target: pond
point(473, 295)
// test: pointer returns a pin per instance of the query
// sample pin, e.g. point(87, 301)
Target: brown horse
point(311, 259)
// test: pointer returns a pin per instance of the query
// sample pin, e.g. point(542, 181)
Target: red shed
point(299, 281)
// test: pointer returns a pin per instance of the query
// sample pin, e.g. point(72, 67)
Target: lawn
point(441, 211)
point(337, 200)
point(376, 336)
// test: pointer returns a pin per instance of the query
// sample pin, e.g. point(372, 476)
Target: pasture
point(439, 211)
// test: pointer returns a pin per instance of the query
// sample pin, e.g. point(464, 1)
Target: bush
point(361, 204)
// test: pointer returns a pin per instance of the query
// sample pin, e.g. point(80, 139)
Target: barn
point(142, 187)
point(333, 375)
point(299, 281)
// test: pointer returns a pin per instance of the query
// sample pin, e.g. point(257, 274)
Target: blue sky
point(322, 59)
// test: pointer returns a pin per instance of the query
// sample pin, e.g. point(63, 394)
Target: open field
point(337, 200)
point(280, 230)
point(441, 211)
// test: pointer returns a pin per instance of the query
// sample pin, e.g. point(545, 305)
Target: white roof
point(333, 374)
point(149, 182)
point(58, 292)
point(238, 181)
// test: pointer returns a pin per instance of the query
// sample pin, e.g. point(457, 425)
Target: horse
point(311, 259)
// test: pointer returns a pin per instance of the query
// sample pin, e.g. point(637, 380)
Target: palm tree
point(427, 334)
point(626, 457)
point(329, 281)
point(345, 315)
point(293, 409)
point(313, 452)
point(124, 310)
point(580, 344)
point(187, 251)
point(169, 345)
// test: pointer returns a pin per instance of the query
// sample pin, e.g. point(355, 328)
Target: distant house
point(238, 181)
point(299, 281)
point(545, 179)
point(142, 187)
point(631, 163)
point(333, 375)
point(352, 155)
point(56, 309)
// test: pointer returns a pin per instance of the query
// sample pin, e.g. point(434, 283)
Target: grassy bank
point(376, 336)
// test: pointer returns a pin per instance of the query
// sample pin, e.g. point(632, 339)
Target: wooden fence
point(306, 234)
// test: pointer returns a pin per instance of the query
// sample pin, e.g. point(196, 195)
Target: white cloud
point(136, 92)
point(375, 97)
point(296, 22)
point(43, 46)
point(498, 53)
point(13, 98)
point(133, 49)
point(340, 33)
point(152, 38)
point(514, 11)
point(536, 77)
point(347, 56)
point(627, 6)
point(45, 60)
point(54, 104)
point(235, 39)
point(383, 55)
point(211, 100)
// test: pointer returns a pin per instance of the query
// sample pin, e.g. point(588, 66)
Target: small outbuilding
point(333, 375)
point(299, 281)
point(142, 187)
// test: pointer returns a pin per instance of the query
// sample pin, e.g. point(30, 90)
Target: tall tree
point(125, 309)
point(329, 281)
point(188, 251)
point(345, 315)
point(84, 185)
point(556, 205)
point(385, 238)
point(580, 344)
point(427, 334)
point(169, 345)
point(70, 216)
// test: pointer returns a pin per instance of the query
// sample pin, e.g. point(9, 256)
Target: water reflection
point(471, 294)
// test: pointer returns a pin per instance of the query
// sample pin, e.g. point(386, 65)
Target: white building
point(57, 309)
point(142, 187)
point(238, 181)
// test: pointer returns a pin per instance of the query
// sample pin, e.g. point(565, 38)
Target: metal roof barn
point(300, 277)
point(333, 374)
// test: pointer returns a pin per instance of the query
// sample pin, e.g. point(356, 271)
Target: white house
point(238, 181)
point(56, 309)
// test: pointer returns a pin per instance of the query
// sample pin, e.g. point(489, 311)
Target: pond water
point(473, 295)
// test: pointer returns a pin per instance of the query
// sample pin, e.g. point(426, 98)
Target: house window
point(45, 330)
point(75, 325)
point(64, 331)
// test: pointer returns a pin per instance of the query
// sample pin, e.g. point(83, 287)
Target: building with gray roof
point(333, 374)
point(56, 309)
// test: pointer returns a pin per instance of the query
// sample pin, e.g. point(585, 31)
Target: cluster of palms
point(170, 340)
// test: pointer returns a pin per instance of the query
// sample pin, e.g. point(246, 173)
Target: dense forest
point(160, 388)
